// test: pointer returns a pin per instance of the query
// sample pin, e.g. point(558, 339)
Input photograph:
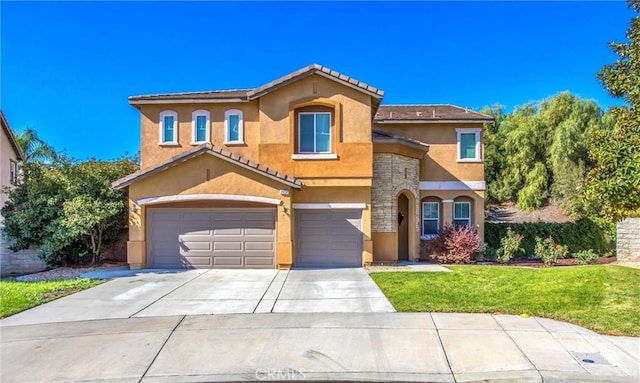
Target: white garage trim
point(200, 197)
point(453, 185)
point(325, 206)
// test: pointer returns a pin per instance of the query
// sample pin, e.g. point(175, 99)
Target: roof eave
point(448, 121)
point(391, 140)
point(187, 101)
point(13, 140)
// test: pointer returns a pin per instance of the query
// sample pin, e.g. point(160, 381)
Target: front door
point(403, 228)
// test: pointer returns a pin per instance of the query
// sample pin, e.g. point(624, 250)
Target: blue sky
point(67, 68)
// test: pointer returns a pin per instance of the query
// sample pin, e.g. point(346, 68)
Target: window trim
point(233, 112)
point(162, 141)
point(315, 154)
point(194, 126)
point(460, 219)
point(13, 172)
point(423, 234)
point(477, 132)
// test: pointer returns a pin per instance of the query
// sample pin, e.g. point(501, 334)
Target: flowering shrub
point(550, 251)
point(453, 245)
point(585, 257)
point(509, 246)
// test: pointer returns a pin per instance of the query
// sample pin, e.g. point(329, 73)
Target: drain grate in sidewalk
point(590, 358)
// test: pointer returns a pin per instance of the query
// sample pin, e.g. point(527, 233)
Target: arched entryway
point(403, 227)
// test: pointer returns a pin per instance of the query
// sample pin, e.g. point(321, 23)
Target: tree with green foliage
point(68, 209)
point(613, 185)
point(538, 152)
point(35, 148)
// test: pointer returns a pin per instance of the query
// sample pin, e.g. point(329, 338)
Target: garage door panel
point(212, 237)
point(227, 246)
point(227, 261)
point(329, 238)
point(264, 261)
point(259, 246)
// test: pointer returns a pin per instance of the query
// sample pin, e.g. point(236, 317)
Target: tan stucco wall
point(190, 178)
point(6, 155)
point(152, 153)
point(477, 197)
point(440, 164)
point(351, 133)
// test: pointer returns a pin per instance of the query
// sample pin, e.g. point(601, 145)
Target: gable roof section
point(240, 95)
point(381, 137)
point(211, 150)
point(12, 137)
point(428, 114)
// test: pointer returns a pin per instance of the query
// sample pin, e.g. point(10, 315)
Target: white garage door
point(211, 238)
point(329, 238)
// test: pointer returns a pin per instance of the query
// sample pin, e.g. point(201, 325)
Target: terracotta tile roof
point(12, 137)
point(207, 149)
point(252, 94)
point(427, 113)
point(384, 137)
point(206, 95)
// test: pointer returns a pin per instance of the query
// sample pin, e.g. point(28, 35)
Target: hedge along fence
point(583, 234)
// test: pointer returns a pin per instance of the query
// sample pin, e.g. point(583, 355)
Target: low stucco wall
point(21, 262)
point(628, 243)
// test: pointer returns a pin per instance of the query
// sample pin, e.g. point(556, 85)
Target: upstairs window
point(168, 128)
point(233, 127)
point(462, 213)
point(314, 132)
point(13, 172)
point(200, 126)
point(469, 144)
point(430, 218)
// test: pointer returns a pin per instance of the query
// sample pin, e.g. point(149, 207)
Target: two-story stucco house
point(309, 170)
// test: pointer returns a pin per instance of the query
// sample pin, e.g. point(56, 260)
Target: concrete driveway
point(157, 293)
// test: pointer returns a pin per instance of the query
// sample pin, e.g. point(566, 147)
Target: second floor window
point(234, 127)
point(13, 172)
point(168, 127)
point(469, 144)
point(314, 132)
point(200, 122)
point(462, 213)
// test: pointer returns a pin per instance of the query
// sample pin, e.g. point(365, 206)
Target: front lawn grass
point(605, 299)
point(18, 296)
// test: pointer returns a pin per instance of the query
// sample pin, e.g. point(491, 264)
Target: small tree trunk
point(93, 249)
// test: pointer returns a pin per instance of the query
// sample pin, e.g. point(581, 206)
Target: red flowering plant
point(453, 244)
point(550, 251)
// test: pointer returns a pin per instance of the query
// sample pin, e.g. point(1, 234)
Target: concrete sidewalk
point(319, 346)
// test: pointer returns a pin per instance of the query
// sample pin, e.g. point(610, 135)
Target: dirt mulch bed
point(60, 273)
point(509, 212)
point(538, 263)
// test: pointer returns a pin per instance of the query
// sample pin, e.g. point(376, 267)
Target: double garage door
point(211, 238)
point(245, 238)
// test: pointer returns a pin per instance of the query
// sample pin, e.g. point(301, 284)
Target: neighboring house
point(11, 156)
point(308, 170)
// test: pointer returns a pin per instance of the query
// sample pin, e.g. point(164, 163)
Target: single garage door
point(329, 238)
point(211, 238)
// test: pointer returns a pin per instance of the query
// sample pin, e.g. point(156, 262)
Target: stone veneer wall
point(628, 242)
point(21, 262)
point(392, 173)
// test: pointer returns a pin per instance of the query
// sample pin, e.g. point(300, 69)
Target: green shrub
point(585, 257)
point(550, 251)
point(583, 234)
point(509, 246)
